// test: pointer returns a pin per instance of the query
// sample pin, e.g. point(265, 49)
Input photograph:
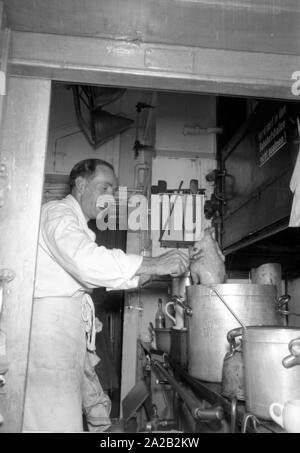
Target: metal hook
point(254, 420)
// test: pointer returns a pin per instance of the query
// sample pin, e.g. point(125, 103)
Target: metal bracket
point(134, 303)
point(133, 307)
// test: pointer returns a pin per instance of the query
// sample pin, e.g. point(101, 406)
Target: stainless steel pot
point(211, 321)
point(271, 354)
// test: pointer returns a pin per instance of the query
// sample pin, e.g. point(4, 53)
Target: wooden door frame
point(153, 66)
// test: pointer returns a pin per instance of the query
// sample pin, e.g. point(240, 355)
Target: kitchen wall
point(185, 145)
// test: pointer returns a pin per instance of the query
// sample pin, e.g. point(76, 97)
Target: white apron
point(61, 378)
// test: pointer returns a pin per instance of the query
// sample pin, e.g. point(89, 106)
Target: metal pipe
point(211, 396)
point(225, 303)
point(213, 413)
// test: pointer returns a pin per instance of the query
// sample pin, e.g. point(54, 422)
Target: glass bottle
point(160, 319)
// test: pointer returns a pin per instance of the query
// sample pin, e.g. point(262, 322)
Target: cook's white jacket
point(70, 262)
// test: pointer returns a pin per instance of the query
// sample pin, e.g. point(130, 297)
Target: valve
point(211, 413)
point(180, 301)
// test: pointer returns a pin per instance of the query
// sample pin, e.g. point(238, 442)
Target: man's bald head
point(86, 169)
point(90, 179)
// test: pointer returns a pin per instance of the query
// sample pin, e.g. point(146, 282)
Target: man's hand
point(172, 263)
point(195, 252)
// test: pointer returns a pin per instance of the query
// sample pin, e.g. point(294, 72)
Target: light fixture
point(97, 125)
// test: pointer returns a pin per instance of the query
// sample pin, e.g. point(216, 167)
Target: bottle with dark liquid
point(160, 319)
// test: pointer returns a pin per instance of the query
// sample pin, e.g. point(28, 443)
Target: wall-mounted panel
point(259, 161)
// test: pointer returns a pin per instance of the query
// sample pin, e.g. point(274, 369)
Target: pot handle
point(281, 306)
point(277, 418)
point(294, 358)
point(168, 314)
point(231, 336)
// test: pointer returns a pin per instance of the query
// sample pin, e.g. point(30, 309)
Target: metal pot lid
point(270, 334)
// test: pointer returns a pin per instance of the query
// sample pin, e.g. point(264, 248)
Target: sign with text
point(271, 136)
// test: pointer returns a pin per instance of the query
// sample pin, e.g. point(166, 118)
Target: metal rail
point(195, 407)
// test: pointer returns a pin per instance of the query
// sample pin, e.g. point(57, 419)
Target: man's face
point(104, 182)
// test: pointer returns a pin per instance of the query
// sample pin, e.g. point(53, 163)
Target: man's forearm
point(173, 262)
point(146, 270)
point(148, 266)
point(144, 279)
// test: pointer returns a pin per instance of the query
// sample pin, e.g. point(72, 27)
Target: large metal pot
point(211, 321)
point(271, 375)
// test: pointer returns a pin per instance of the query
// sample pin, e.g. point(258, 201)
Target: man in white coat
point(61, 378)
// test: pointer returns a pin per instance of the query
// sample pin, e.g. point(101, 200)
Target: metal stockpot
point(211, 320)
point(271, 354)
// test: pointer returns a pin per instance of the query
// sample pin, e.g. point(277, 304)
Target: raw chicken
point(209, 268)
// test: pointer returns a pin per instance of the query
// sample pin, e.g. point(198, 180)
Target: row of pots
point(261, 357)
